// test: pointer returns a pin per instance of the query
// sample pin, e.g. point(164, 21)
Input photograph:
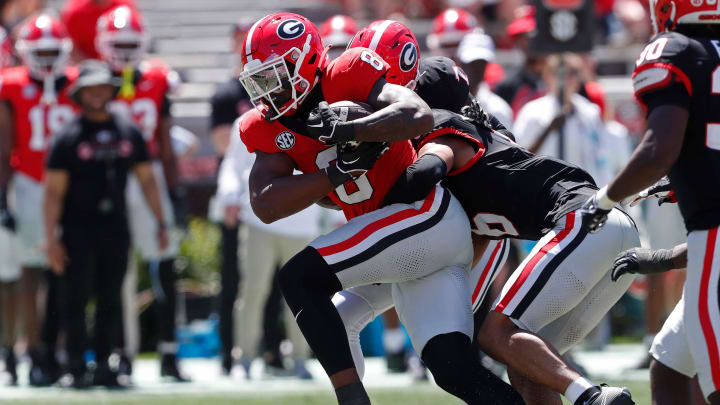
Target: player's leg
point(229, 286)
point(29, 196)
point(395, 243)
point(436, 312)
point(358, 306)
point(490, 256)
point(552, 281)
point(9, 275)
point(532, 392)
point(701, 312)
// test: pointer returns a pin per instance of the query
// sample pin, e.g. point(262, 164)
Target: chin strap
point(127, 90)
point(49, 95)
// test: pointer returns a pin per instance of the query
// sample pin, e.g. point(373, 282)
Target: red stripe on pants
point(569, 223)
point(486, 271)
point(703, 311)
point(377, 225)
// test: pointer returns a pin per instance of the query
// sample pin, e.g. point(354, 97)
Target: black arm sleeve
point(418, 181)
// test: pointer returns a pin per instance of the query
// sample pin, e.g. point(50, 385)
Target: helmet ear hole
point(312, 59)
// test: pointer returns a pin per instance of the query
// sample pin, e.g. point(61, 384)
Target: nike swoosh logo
point(298, 314)
point(316, 125)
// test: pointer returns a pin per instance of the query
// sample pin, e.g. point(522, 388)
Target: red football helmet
point(449, 27)
point(6, 51)
point(667, 14)
point(338, 30)
point(43, 45)
point(282, 51)
point(397, 45)
point(121, 38)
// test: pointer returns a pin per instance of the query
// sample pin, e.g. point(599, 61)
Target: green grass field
point(422, 394)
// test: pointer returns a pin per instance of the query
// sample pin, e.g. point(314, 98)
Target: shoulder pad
point(667, 58)
point(352, 75)
point(256, 133)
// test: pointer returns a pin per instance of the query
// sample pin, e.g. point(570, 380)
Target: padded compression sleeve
point(418, 181)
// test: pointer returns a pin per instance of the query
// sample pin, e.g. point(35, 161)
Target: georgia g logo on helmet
point(408, 57)
point(290, 29)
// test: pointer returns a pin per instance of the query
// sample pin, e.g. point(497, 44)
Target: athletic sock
point(578, 388)
point(353, 394)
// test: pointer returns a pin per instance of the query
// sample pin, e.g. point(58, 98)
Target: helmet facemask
point(122, 48)
point(276, 83)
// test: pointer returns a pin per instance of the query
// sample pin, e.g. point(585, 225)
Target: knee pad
point(307, 270)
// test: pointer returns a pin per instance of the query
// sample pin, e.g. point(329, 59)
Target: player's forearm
point(396, 122)
point(646, 166)
point(283, 196)
point(679, 256)
point(152, 196)
point(418, 180)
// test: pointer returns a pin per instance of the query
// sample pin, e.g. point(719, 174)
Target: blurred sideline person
point(35, 105)
point(265, 248)
point(337, 32)
point(143, 97)
point(448, 29)
point(80, 16)
point(537, 123)
point(86, 217)
point(525, 83)
point(474, 53)
point(228, 103)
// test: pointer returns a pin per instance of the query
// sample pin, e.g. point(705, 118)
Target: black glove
point(662, 190)
point(642, 261)
point(7, 220)
point(354, 159)
point(324, 125)
point(593, 216)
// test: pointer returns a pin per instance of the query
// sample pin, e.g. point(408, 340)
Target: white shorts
point(562, 289)
point(400, 242)
point(670, 346)
point(9, 264)
point(486, 270)
point(429, 306)
point(143, 226)
point(702, 310)
point(29, 196)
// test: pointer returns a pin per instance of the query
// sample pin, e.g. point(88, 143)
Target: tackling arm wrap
point(419, 180)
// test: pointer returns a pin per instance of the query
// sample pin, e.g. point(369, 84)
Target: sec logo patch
point(285, 140)
point(290, 29)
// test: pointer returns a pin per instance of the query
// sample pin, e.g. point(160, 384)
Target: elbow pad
point(418, 181)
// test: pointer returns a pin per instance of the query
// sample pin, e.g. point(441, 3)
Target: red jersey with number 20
point(153, 81)
point(351, 77)
point(33, 121)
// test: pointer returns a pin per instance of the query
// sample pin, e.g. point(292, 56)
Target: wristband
point(344, 132)
point(3, 198)
point(337, 177)
point(603, 201)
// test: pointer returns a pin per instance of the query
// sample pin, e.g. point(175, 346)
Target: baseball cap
point(524, 21)
point(476, 46)
point(442, 84)
point(94, 73)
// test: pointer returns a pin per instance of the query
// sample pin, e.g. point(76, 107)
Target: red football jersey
point(33, 121)
point(351, 76)
point(154, 79)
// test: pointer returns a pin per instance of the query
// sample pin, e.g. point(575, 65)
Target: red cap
point(524, 21)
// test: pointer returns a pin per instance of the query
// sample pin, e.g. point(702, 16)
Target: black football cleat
point(611, 396)
point(11, 366)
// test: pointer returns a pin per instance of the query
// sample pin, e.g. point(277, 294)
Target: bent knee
point(308, 269)
point(495, 331)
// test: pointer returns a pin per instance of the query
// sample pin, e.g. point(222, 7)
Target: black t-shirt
point(675, 69)
point(98, 157)
point(228, 103)
point(506, 191)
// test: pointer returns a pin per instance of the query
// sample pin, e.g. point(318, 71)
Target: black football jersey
point(506, 191)
point(679, 70)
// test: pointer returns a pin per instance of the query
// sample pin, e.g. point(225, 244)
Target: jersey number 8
point(364, 188)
